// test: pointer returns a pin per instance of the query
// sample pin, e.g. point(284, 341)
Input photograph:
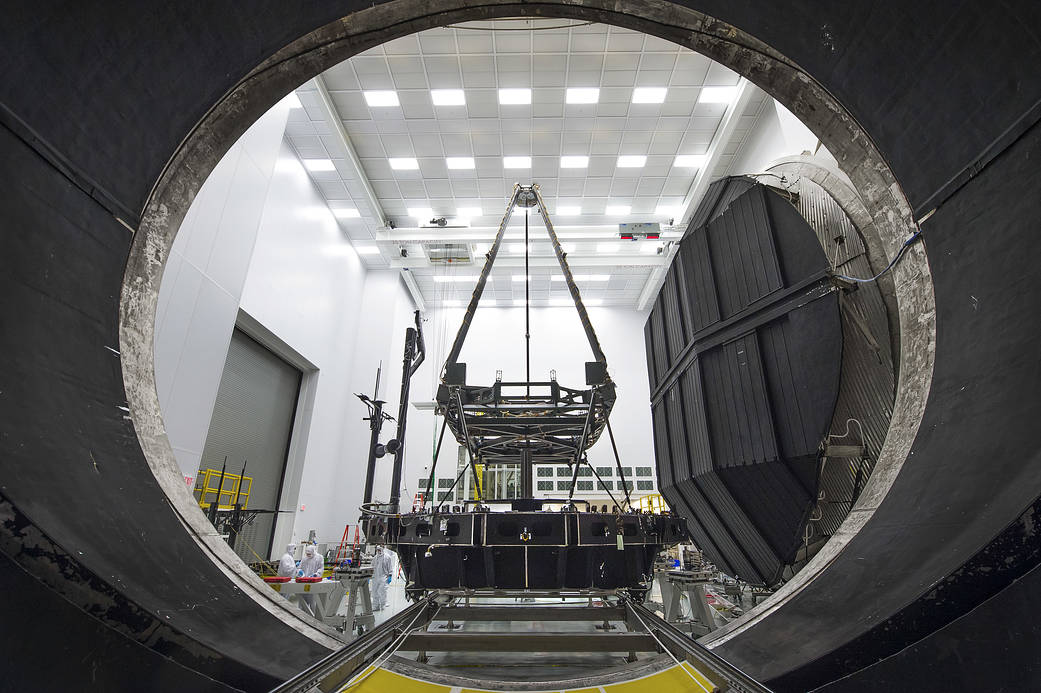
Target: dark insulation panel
point(746, 343)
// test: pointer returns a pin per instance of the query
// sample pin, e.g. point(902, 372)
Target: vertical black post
point(526, 474)
point(527, 311)
point(399, 453)
point(220, 487)
point(375, 423)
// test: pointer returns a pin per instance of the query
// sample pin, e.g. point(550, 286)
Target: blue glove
point(389, 578)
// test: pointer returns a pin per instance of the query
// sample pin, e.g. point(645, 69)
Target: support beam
point(532, 613)
point(548, 261)
point(358, 172)
point(478, 234)
point(529, 642)
point(745, 91)
point(353, 162)
point(413, 288)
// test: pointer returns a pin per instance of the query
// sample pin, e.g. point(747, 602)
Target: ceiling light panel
point(582, 95)
point(618, 210)
point(516, 162)
point(459, 162)
point(689, 161)
point(649, 94)
point(381, 99)
point(448, 97)
point(404, 164)
point(631, 161)
point(574, 162)
point(514, 96)
point(717, 95)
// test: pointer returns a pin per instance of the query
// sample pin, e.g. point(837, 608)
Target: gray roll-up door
point(252, 422)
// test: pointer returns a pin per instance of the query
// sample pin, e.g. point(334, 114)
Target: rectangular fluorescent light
point(423, 213)
point(514, 96)
point(455, 278)
point(689, 160)
point(366, 250)
point(574, 161)
point(519, 302)
point(468, 212)
point(593, 302)
point(345, 213)
point(630, 161)
point(717, 95)
point(519, 277)
point(404, 164)
point(582, 95)
point(460, 162)
point(618, 210)
point(451, 303)
point(319, 165)
point(606, 248)
point(649, 94)
point(448, 97)
point(381, 99)
point(516, 162)
point(569, 211)
point(517, 248)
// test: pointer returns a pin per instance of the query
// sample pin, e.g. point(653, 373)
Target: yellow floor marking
point(383, 681)
point(671, 680)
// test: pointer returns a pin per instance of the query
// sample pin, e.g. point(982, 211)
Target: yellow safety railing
point(653, 503)
point(209, 481)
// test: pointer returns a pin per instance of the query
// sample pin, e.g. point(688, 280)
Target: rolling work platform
point(562, 635)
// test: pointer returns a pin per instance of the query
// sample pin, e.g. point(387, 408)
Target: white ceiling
point(547, 57)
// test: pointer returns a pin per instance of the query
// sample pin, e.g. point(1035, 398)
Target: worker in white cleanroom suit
point(312, 564)
point(382, 569)
point(287, 564)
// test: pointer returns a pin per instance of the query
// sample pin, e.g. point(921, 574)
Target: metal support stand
point(356, 580)
point(691, 584)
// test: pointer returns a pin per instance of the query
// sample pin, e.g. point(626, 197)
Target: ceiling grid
point(547, 57)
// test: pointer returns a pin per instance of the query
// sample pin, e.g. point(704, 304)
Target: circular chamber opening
point(866, 360)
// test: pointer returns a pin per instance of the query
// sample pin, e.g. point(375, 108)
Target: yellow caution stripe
point(672, 680)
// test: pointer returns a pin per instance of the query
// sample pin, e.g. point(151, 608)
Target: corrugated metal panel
point(698, 283)
point(675, 329)
point(726, 409)
point(742, 249)
point(251, 422)
point(741, 420)
point(697, 421)
point(717, 198)
point(662, 359)
point(648, 343)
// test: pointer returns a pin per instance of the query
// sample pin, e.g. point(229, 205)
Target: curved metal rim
point(329, 45)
